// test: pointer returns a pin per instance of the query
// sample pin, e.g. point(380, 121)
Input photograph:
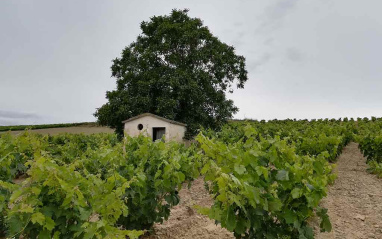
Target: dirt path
point(355, 199)
point(185, 223)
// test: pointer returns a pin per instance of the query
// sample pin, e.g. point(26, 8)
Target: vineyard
point(266, 179)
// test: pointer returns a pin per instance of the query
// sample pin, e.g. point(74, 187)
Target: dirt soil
point(185, 223)
point(71, 130)
point(354, 202)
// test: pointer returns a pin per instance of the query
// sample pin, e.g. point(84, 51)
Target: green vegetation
point(45, 126)
point(177, 69)
point(266, 178)
point(81, 186)
point(255, 182)
point(370, 143)
point(375, 168)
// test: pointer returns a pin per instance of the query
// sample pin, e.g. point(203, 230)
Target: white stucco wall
point(173, 131)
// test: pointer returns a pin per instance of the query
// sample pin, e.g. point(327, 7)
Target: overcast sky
point(306, 59)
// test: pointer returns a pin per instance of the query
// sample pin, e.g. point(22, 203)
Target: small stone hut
point(155, 126)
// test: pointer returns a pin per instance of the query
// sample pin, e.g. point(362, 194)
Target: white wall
point(173, 131)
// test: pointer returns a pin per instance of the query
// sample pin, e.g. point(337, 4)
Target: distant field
point(53, 129)
point(46, 126)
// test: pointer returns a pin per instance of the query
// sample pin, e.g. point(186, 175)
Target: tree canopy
point(175, 69)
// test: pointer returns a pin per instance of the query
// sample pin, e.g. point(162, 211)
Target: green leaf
point(49, 223)
point(282, 175)
point(309, 232)
point(44, 234)
point(241, 225)
point(289, 216)
point(296, 193)
point(325, 224)
point(157, 174)
point(38, 217)
point(275, 205)
point(310, 186)
point(84, 214)
point(202, 210)
point(301, 236)
point(134, 234)
point(205, 168)
point(222, 197)
point(262, 171)
point(240, 169)
point(231, 219)
point(181, 177)
point(36, 190)
point(56, 235)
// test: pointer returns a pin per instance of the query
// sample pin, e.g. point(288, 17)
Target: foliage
point(262, 188)
point(68, 148)
point(16, 151)
point(58, 202)
point(165, 167)
point(375, 168)
point(161, 169)
point(370, 142)
point(371, 147)
point(175, 69)
point(309, 138)
point(82, 186)
point(320, 143)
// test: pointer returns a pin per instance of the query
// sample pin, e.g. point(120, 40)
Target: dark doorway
point(158, 133)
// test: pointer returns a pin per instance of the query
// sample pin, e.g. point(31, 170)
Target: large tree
point(175, 69)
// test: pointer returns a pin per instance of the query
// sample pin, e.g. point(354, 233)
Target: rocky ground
point(185, 222)
point(355, 199)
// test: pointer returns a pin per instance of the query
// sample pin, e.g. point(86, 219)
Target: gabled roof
point(155, 116)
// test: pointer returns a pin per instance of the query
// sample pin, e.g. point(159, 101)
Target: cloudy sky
point(306, 59)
